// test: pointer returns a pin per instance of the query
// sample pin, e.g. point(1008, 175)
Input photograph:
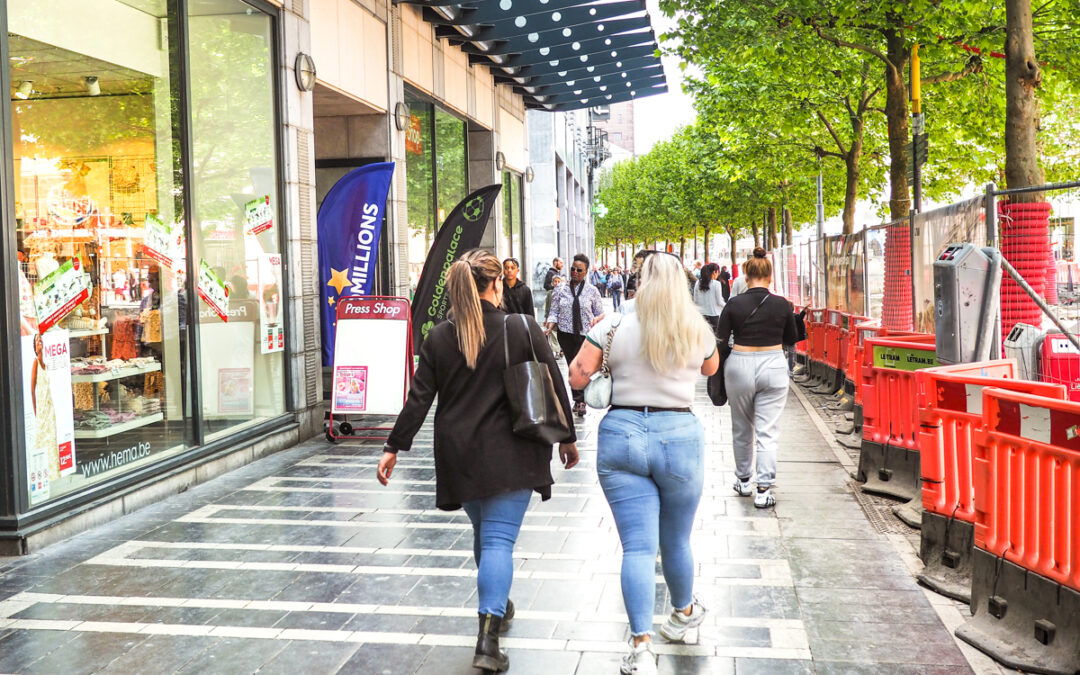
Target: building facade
point(618, 121)
point(159, 199)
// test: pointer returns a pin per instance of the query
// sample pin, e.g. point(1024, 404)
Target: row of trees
point(785, 88)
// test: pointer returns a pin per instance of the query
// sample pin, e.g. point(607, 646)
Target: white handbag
point(598, 391)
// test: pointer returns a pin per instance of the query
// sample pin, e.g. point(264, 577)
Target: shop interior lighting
point(92, 86)
point(26, 87)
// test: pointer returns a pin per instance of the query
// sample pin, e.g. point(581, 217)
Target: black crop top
point(772, 324)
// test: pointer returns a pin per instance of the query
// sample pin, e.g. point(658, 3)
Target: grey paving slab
point(352, 578)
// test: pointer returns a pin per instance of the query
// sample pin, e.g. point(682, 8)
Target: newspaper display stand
point(373, 365)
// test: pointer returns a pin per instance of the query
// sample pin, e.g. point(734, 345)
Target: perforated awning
point(558, 54)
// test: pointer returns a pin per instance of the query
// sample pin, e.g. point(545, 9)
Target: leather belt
point(649, 409)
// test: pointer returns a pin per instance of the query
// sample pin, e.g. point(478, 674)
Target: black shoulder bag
point(536, 411)
point(715, 383)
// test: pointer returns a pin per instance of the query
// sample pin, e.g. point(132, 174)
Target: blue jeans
point(651, 467)
point(496, 522)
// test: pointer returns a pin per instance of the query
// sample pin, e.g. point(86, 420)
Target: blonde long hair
point(673, 331)
point(468, 277)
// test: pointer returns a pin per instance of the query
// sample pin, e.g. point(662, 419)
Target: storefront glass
point(420, 178)
point(511, 242)
point(102, 235)
point(451, 177)
point(235, 220)
point(94, 132)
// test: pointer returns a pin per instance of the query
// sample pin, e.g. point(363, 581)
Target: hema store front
point(143, 242)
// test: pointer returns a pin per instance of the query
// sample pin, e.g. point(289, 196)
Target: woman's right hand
point(568, 455)
point(386, 467)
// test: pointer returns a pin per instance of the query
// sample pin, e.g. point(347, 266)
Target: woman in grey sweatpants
point(756, 375)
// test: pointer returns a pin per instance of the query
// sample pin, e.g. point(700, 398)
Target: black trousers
point(571, 345)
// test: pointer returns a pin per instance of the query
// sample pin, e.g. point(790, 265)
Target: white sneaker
point(764, 500)
point(641, 660)
point(678, 624)
point(742, 488)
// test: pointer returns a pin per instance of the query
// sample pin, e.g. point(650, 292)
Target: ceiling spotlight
point(92, 86)
point(25, 89)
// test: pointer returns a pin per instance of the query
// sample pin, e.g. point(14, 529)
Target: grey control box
point(966, 304)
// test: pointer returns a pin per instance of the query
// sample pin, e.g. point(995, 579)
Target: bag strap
point(607, 346)
point(506, 337)
point(747, 319)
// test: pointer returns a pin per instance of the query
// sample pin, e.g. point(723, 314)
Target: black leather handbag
point(537, 412)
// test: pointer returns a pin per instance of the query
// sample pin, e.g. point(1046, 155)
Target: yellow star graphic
point(330, 301)
point(338, 280)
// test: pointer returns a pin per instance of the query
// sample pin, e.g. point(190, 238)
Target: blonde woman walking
point(480, 464)
point(650, 446)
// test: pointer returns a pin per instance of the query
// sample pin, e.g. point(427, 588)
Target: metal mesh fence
point(931, 232)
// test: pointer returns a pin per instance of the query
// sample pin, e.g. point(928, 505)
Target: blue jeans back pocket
point(683, 457)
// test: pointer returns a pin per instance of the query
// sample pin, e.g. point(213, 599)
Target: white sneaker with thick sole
point(764, 499)
point(677, 624)
point(742, 488)
point(641, 660)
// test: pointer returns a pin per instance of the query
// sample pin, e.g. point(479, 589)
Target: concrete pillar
point(481, 153)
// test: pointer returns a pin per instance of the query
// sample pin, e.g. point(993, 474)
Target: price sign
point(61, 291)
point(258, 215)
point(160, 241)
point(212, 290)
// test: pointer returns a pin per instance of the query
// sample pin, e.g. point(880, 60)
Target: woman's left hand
point(386, 467)
point(568, 454)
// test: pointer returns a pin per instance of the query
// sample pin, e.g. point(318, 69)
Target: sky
point(657, 117)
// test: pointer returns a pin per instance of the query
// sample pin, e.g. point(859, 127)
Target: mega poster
point(50, 429)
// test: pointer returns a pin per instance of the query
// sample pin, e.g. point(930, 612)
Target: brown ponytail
point(758, 266)
point(467, 278)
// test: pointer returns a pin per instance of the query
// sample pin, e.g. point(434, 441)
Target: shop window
point(420, 178)
point(236, 224)
point(450, 162)
point(511, 240)
point(98, 221)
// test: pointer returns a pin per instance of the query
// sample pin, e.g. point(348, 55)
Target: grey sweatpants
point(757, 387)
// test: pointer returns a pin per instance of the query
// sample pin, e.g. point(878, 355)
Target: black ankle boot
point(508, 616)
point(488, 655)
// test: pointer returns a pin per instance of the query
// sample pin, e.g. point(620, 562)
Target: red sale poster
point(350, 389)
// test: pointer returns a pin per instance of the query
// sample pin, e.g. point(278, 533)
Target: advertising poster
point(50, 431)
point(160, 241)
point(212, 290)
point(258, 215)
point(350, 389)
point(60, 292)
point(271, 325)
point(235, 391)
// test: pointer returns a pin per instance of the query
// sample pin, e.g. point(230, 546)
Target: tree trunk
point(789, 238)
point(851, 173)
point(706, 243)
point(772, 229)
point(757, 233)
point(1022, 77)
point(896, 113)
point(695, 242)
point(731, 233)
point(682, 248)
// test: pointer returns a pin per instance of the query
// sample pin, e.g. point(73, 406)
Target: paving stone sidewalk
point(303, 563)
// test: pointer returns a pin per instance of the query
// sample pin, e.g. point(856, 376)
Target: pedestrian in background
point(554, 271)
point(480, 464)
point(739, 285)
point(725, 282)
point(615, 287)
point(574, 305)
point(650, 447)
point(756, 375)
point(517, 297)
point(596, 278)
point(553, 336)
point(709, 297)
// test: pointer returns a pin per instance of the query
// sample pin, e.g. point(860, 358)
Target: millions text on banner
point(350, 223)
point(463, 230)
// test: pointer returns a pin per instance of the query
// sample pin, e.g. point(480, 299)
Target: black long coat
point(477, 454)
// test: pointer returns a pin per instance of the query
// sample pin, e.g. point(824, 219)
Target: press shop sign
point(60, 292)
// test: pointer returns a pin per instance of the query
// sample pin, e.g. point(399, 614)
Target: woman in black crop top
point(756, 375)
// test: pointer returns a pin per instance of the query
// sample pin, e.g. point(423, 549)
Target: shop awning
point(557, 54)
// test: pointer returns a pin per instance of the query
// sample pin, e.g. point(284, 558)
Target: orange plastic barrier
point(889, 459)
point(862, 332)
point(1027, 483)
point(950, 412)
point(832, 339)
point(816, 329)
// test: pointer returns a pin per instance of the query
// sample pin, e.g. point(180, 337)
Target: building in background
point(159, 240)
point(617, 120)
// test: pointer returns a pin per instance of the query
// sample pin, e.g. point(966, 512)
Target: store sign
point(61, 291)
point(350, 389)
point(414, 136)
point(212, 290)
point(258, 215)
point(49, 423)
point(271, 323)
point(160, 241)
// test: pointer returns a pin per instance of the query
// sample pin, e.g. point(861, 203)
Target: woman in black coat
point(480, 464)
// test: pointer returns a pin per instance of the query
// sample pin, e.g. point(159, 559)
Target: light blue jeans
point(651, 467)
point(496, 522)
